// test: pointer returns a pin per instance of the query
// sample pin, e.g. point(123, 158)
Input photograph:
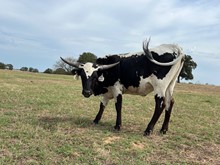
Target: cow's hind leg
point(169, 102)
point(159, 106)
point(168, 111)
point(102, 106)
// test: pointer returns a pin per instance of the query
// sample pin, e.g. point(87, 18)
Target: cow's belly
point(142, 90)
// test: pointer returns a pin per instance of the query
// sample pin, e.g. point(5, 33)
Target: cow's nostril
point(87, 93)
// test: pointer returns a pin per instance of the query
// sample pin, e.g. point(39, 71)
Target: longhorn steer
point(134, 73)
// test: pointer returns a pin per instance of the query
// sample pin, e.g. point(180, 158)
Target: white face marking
point(88, 68)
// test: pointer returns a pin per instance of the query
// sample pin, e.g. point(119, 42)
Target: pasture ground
point(44, 119)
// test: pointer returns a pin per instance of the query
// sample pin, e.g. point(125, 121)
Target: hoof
point(163, 131)
point(117, 127)
point(95, 122)
point(147, 133)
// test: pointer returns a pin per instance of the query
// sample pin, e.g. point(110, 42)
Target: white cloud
point(51, 28)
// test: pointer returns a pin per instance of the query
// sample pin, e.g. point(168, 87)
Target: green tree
point(87, 57)
point(48, 70)
point(30, 69)
point(24, 69)
point(9, 66)
point(188, 66)
point(35, 70)
point(60, 71)
point(2, 65)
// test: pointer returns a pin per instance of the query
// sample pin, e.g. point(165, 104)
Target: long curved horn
point(146, 49)
point(103, 67)
point(74, 64)
point(150, 56)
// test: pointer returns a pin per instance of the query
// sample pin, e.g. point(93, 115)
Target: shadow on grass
point(52, 123)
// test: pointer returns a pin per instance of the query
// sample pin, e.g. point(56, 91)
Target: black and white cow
point(134, 73)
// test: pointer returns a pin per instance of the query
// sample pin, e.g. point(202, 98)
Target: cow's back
point(133, 69)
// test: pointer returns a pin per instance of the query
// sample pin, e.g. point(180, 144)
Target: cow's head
point(88, 73)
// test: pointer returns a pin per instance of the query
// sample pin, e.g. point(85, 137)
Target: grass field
point(44, 119)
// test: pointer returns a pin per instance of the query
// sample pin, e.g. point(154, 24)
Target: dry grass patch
point(110, 140)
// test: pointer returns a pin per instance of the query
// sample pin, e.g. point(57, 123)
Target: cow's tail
point(180, 55)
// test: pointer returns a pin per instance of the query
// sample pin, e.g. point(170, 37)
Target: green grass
point(44, 119)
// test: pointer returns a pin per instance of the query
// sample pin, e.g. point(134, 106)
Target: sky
point(36, 33)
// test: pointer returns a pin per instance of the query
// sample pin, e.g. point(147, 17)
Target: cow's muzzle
point(87, 93)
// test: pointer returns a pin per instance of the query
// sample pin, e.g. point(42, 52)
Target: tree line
point(11, 67)
point(62, 68)
point(6, 66)
point(59, 68)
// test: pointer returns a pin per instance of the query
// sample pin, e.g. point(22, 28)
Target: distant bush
point(49, 71)
point(30, 69)
point(2, 65)
point(35, 70)
point(6, 66)
point(60, 71)
point(9, 66)
point(24, 69)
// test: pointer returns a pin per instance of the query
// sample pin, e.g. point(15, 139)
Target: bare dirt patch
point(138, 145)
point(112, 139)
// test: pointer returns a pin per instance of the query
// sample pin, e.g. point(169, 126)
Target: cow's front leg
point(99, 115)
point(102, 106)
point(159, 106)
point(118, 106)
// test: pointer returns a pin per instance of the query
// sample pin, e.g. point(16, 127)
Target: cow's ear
point(101, 78)
point(76, 71)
